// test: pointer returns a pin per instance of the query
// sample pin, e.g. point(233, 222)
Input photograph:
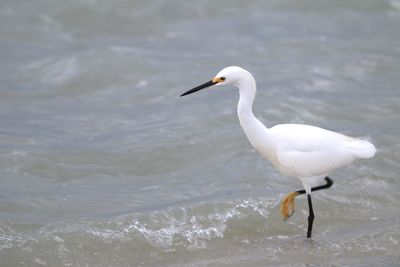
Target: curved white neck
point(255, 131)
point(247, 91)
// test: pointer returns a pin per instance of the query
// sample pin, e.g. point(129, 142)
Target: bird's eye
point(222, 79)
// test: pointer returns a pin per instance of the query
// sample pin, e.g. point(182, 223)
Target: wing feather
point(306, 151)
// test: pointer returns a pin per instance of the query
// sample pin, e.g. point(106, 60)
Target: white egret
point(306, 152)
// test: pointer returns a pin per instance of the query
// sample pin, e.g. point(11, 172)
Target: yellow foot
point(287, 206)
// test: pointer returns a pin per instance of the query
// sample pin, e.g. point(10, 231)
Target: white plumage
point(302, 151)
point(306, 152)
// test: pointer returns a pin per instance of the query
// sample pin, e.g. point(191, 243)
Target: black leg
point(287, 207)
point(328, 184)
point(310, 216)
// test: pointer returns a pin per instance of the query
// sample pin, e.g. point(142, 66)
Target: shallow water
point(102, 164)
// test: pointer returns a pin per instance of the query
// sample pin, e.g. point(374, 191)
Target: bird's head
point(232, 75)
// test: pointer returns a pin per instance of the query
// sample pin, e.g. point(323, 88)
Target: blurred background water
point(102, 164)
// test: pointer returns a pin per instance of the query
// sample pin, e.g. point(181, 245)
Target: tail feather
point(362, 148)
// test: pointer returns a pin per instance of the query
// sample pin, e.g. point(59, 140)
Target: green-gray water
point(102, 164)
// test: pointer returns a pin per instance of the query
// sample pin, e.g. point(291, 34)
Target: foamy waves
point(183, 228)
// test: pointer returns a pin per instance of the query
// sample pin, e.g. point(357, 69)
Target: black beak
point(198, 88)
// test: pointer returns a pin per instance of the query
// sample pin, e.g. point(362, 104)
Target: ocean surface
point(103, 164)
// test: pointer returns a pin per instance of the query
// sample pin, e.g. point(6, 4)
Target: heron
point(305, 152)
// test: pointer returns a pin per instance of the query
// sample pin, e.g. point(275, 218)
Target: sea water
point(102, 164)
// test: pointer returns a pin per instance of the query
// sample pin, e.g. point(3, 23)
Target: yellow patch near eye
point(218, 79)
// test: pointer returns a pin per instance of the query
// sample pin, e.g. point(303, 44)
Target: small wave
point(187, 228)
point(55, 71)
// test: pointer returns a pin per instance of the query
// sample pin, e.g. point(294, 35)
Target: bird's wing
point(305, 151)
point(312, 163)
